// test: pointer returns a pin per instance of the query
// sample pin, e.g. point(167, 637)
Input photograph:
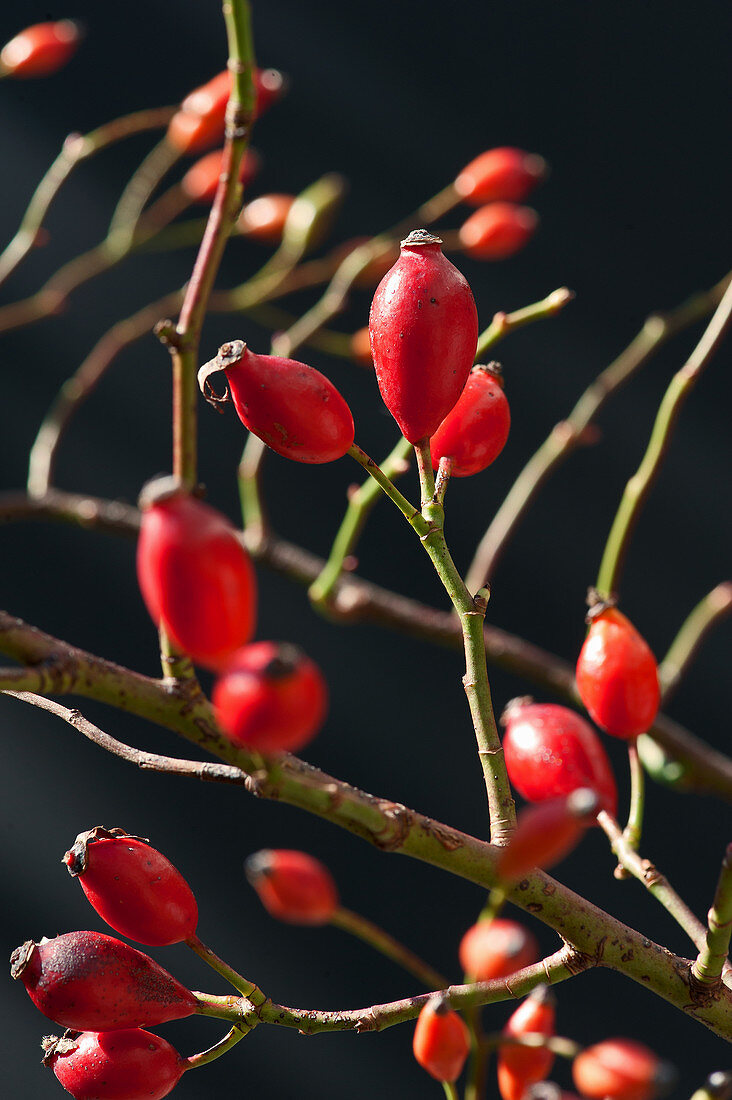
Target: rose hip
point(497, 948)
point(92, 982)
point(475, 431)
point(293, 886)
point(441, 1040)
point(497, 231)
point(503, 173)
point(263, 219)
point(621, 1069)
point(546, 833)
point(519, 1067)
point(550, 751)
point(114, 1065)
point(424, 331)
point(134, 888)
point(271, 698)
point(195, 576)
point(40, 50)
point(201, 119)
point(201, 180)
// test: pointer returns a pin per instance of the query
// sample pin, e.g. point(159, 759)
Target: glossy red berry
point(475, 430)
point(497, 948)
point(441, 1040)
point(40, 50)
point(271, 697)
point(550, 751)
point(134, 888)
point(114, 1065)
point(293, 886)
point(263, 219)
point(547, 832)
point(424, 331)
point(497, 231)
point(91, 982)
point(201, 180)
point(201, 120)
point(519, 1067)
point(504, 174)
point(195, 576)
point(621, 1069)
point(617, 676)
point(293, 408)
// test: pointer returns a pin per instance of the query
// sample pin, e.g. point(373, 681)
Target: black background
point(627, 102)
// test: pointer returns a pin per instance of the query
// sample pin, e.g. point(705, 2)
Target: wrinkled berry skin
point(293, 886)
point(271, 698)
point(134, 888)
point(519, 1067)
point(547, 832)
point(475, 431)
point(91, 982)
point(424, 331)
point(441, 1041)
point(40, 50)
point(497, 948)
point(115, 1065)
point(195, 576)
point(621, 1069)
point(504, 173)
point(550, 751)
point(617, 676)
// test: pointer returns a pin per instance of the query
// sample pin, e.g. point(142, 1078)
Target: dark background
point(627, 102)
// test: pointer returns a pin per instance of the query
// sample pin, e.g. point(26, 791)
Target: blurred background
point(626, 102)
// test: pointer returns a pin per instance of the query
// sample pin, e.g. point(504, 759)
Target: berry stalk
point(712, 958)
point(357, 925)
point(710, 610)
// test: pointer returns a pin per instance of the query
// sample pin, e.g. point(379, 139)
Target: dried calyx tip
point(51, 1045)
point(543, 994)
point(420, 237)
point(583, 802)
point(20, 958)
point(77, 856)
point(257, 865)
point(284, 662)
point(597, 603)
point(160, 488)
point(514, 705)
point(228, 354)
point(494, 368)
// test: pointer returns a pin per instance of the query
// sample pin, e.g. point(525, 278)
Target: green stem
point(247, 989)
point(639, 486)
point(426, 473)
point(142, 183)
point(568, 434)
point(632, 831)
point(386, 944)
point(715, 606)
point(710, 963)
point(503, 323)
point(411, 514)
point(557, 1044)
point(232, 1037)
point(451, 1091)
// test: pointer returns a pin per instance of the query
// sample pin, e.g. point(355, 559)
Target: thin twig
point(503, 323)
point(383, 942)
point(128, 211)
point(712, 959)
point(714, 607)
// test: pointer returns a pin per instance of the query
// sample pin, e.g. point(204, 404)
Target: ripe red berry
point(503, 173)
point(114, 1065)
point(361, 348)
point(293, 886)
point(293, 408)
point(195, 576)
point(134, 888)
point(550, 751)
point(41, 49)
point(519, 1067)
point(441, 1040)
point(424, 331)
point(201, 180)
point(546, 833)
point(497, 231)
point(263, 219)
point(496, 948)
point(271, 698)
point(475, 430)
point(91, 982)
point(621, 1069)
point(617, 676)
point(200, 122)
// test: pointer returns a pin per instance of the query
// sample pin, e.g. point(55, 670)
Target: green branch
point(710, 963)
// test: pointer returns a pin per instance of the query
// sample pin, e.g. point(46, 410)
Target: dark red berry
point(547, 832)
point(503, 173)
point(114, 1065)
point(550, 751)
point(441, 1040)
point(475, 430)
point(200, 122)
point(134, 888)
point(496, 948)
point(40, 50)
point(201, 180)
point(195, 576)
point(424, 331)
point(271, 698)
point(497, 231)
point(519, 1067)
point(621, 1069)
point(293, 408)
point(92, 982)
point(617, 676)
point(293, 886)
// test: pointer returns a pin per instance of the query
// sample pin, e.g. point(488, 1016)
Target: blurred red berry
point(40, 50)
point(293, 886)
point(546, 833)
point(202, 179)
point(441, 1040)
point(519, 1067)
point(500, 174)
point(497, 231)
point(201, 120)
point(621, 1069)
point(496, 948)
point(263, 219)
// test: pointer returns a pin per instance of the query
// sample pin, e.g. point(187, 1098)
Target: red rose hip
point(496, 948)
point(621, 1069)
point(134, 888)
point(497, 231)
point(424, 331)
point(271, 698)
point(293, 886)
point(617, 676)
point(550, 751)
point(475, 430)
point(519, 1067)
point(91, 982)
point(546, 833)
point(114, 1065)
point(201, 120)
point(202, 179)
point(503, 173)
point(40, 50)
point(293, 408)
point(195, 576)
point(441, 1040)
